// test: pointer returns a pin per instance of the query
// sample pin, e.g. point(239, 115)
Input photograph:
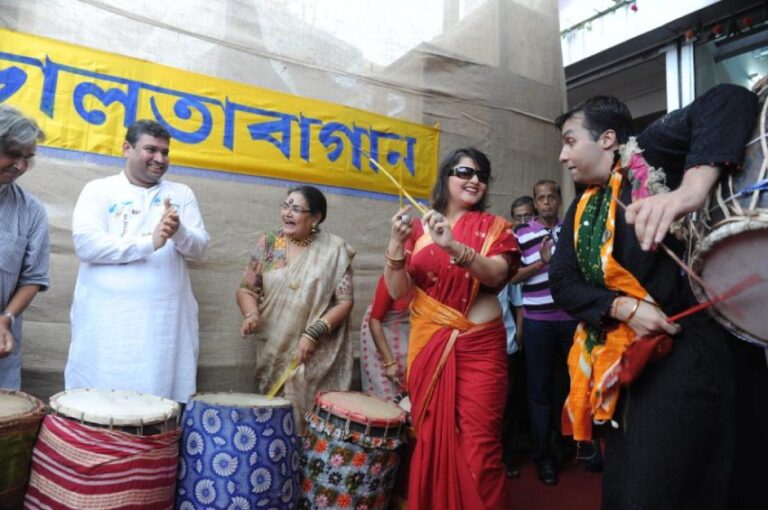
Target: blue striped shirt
point(24, 252)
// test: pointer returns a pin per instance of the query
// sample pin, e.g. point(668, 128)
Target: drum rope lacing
point(730, 207)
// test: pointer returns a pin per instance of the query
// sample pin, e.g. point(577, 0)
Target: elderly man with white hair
point(24, 242)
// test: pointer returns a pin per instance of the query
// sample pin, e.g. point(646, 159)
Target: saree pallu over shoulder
point(294, 296)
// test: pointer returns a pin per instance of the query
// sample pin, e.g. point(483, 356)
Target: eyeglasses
point(295, 209)
point(466, 173)
point(523, 218)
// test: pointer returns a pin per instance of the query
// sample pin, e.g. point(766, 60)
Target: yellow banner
point(84, 99)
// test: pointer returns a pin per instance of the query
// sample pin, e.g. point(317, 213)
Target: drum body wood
point(79, 462)
point(351, 451)
point(238, 450)
point(729, 241)
point(20, 417)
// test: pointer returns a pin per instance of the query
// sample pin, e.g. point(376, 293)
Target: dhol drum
point(729, 238)
point(238, 451)
point(20, 417)
point(399, 499)
point(91, 452)
point(351, 451)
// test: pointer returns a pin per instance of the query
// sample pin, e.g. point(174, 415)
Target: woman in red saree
point(455, 259)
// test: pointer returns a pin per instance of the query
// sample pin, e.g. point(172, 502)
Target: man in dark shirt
point(670, 436)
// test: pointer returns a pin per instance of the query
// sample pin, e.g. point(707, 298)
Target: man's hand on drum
point(6, 338)
point(305, 350)
point(653, 216)
point(439, 228)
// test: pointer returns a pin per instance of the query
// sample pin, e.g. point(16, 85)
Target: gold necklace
point(296, 283)
point(306, 241)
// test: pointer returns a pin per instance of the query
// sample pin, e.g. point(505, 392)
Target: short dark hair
point(542, 182)
point(600, 114)
point(520, 202)
point(146, 127)
point(440, 192)
point(314, 197)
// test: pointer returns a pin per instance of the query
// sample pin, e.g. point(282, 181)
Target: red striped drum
point(106, 449)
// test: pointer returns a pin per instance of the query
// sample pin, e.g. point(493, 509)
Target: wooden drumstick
point(287, 373)
point(417, 205)
point(743, 285)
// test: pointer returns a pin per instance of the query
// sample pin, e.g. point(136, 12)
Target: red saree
point(457, 374)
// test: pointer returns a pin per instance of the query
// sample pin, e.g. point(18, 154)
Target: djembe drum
point(729, 239)
point(238, 450)
point(105, 449)
point(20, 417)
point(351, 451)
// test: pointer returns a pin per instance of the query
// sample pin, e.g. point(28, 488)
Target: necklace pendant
point(293, 285)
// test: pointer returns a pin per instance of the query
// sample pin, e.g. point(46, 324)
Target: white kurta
point(134, 318)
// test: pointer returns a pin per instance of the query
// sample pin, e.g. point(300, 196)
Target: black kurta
point(674, 447)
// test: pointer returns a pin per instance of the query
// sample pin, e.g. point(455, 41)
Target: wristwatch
point(10, 316)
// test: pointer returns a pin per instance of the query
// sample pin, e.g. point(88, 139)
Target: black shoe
point(590, 456)
point(547, 473)
point(512, 471)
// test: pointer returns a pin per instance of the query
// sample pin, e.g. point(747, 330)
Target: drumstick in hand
point(287, 373)
point(417, 205)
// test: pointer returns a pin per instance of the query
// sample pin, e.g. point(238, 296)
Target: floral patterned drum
point(351, 452)
point(238, 451)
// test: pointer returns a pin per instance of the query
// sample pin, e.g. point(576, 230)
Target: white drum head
point(731, 254)
point(246, 400)
point(120, 408)
point(13, 405)
point(360, 407)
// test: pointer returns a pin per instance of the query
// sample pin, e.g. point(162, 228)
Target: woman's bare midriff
point(485, 309)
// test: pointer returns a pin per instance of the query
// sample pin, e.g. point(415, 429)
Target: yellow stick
point(418, 206)
point(282, 379)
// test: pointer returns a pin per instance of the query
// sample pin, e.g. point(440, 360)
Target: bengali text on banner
point(84, 99)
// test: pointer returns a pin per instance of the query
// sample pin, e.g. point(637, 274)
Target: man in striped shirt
point(547, 330)
point(24, 243)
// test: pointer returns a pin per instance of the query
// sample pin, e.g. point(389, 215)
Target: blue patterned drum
point(238, 451)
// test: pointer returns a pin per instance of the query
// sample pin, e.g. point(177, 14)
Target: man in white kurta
point(134, 318)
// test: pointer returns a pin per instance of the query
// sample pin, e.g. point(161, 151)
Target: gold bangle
point(304, 335)
point(249, 315)
point(391, 363)
point(395, 265)
point(634, 311)
point(327, 325)
point(394, 259)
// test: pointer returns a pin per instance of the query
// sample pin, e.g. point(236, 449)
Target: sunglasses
point(466, 173)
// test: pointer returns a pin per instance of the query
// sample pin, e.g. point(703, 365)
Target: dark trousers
point(516, 424)
point(546, 345)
